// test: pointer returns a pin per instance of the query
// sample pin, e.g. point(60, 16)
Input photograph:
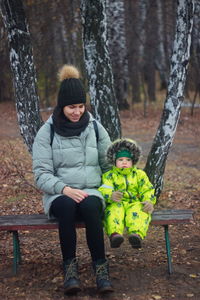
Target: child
point(128, 193)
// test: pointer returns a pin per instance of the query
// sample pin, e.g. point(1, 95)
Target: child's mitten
point(116, 196)
point(148, 207)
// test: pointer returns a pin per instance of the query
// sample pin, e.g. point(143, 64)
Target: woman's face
point(74, 111)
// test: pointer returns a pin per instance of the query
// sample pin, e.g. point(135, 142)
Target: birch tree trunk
point(142, 11)
point(195, 61)
point(132, 25)
point(160, 60)
point(169, 21)
point(98, 66)
point(151, 40)
point(196, 33)
point(21, 62)
point(118, 50)
point(156, 161)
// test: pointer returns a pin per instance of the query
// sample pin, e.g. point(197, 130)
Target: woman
point(68, 170)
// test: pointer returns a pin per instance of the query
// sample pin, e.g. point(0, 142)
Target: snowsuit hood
point(123, 144)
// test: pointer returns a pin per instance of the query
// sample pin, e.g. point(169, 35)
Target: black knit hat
point(71, 89)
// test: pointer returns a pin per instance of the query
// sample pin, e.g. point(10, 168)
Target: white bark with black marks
point(98, 66)
point(22, 67)
point(156, 161)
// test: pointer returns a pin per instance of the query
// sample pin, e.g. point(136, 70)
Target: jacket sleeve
point(107, 187)
point(103, 144)
point(43, 168)
point(145, 188)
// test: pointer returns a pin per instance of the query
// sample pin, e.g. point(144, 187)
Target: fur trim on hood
point(123, 144)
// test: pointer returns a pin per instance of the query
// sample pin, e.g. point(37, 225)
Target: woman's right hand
point(75, 194)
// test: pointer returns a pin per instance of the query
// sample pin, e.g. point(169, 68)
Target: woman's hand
point(75, 194)
point(116, 196)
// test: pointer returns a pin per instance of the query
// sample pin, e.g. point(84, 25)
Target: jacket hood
point(123, 144)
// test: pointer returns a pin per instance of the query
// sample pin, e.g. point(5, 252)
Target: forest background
point(140, 36)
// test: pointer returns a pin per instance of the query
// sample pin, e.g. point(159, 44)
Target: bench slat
point(172, 216)
point(40, 221)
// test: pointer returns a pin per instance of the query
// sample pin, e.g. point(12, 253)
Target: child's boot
point(116, 240)
point(101, 269)
point(71, 282)
point(135, 240)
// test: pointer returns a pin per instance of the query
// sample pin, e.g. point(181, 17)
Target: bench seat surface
point(40, 221)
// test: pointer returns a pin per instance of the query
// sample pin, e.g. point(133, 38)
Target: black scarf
point(64, 127)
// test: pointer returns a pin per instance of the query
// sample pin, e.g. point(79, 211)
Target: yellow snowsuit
point(128, 213)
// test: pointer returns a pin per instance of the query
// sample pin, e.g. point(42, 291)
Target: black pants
point(67, 211)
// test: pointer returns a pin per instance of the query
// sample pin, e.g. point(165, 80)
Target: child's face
point(124, 162)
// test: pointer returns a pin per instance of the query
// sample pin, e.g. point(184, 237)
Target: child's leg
point(114, 218)
point(137, 221)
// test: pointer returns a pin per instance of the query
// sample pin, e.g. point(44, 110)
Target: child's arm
point(107, 189)
point(146, 192)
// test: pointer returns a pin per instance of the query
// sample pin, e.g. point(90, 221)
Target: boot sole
point(72, 290)
point(116, 243)
point(106, 290)
point(135, 242)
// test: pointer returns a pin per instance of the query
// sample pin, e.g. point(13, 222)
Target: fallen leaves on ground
point(136, 274)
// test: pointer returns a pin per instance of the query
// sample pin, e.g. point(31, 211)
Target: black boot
point(71, 282)
point(101, 269)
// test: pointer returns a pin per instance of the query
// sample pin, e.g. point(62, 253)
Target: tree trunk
point(160, 60)
point(133, 22)
point(21, 61)
point(195, 61)
point(6, 88)
point(98, 66)
point(118, 50)
point(169, 21)
point(151, 42)
point(156, 161)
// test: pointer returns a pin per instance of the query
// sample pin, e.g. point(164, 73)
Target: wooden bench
point(14, 223)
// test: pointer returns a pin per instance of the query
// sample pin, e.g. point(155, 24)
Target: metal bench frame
point(14, 223)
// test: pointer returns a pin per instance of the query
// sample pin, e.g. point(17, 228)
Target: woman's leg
point(90, 210)
point(64, 209)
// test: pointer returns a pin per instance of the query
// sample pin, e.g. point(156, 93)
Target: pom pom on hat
point(71, 88)
point(68, 71)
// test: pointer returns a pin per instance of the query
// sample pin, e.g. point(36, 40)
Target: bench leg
point(16, 251)
point(167, 242)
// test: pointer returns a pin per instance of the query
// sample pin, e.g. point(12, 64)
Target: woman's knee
point(63, 205)
point(91, 205)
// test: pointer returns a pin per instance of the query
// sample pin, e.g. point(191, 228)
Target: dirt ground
point(135, 274)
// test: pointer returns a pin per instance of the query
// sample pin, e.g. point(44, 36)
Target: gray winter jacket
point(77, 161)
